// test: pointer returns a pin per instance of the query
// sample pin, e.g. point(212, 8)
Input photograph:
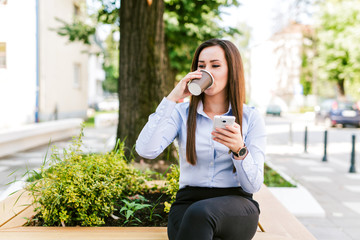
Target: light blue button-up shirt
point(214, 167)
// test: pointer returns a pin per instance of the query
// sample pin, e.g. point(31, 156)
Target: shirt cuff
point(246, 166)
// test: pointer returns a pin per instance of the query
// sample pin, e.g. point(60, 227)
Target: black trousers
point(213, 214)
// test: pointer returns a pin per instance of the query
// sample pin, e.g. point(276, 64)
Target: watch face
point(242, 152)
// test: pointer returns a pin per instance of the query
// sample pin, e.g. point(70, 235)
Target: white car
point(108, 104)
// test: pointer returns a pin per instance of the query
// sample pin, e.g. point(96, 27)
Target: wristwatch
point(241, 153)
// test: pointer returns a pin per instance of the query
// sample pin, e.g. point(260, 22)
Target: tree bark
point(143, 63)
point(341, 87)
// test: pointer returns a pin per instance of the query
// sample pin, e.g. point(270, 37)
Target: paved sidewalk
point(330, 183)
point(16, 165)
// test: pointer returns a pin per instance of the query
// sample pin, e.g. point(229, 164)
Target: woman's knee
point(198, 213)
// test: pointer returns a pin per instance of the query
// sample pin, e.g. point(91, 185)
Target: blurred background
point(108, 63)
point(60, 59)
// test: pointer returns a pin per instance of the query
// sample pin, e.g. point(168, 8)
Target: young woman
point(219, 170)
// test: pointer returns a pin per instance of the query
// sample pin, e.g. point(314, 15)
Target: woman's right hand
point(181, 90)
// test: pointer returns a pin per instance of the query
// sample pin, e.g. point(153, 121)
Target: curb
point(298, 200)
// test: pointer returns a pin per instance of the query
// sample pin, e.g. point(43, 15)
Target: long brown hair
point(235, 86)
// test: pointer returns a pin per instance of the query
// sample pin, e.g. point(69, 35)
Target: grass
point(90, 121)
point(274, 179)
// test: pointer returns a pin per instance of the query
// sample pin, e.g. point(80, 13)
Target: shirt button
point(211, 163)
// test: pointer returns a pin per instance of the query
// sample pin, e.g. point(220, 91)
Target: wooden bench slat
point(79, 233)
point(109, 233)
point(7, 208)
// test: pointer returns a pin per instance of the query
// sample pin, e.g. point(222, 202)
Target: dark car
point(333, 112)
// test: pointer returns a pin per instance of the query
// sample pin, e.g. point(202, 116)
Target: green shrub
point(172, 185)
point(81, 189)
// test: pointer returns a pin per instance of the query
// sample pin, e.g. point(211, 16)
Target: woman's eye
point(216, 66)
point(201, 66)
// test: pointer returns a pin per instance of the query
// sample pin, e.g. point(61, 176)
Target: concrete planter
point(17, 209)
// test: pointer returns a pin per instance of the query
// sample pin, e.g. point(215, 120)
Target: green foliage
point(90, 121)
point(307, 65)
point(305, 109)
point(273, 179)
point(187, 24)
point(130, 207)
point(81, 189)
point(338, 54)
point(108, 12)
point(172, 184)
point(76, 31)
point(111, 64)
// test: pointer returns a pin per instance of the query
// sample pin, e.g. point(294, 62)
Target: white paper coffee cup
point(199, 85)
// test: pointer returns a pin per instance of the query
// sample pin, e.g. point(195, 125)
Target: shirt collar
point(200, 110)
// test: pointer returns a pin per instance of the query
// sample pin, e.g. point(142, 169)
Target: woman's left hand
point(230, 137)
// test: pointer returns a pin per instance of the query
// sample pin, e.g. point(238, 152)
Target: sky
point(265, 17)
point(257, 18)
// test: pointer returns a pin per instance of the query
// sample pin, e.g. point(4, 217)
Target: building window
point(3, 2)
point(77, 75)
point(2, 55)
point(76, 10)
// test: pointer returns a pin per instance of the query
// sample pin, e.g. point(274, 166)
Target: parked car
point(108, 104)
point(332, 112)
point(273, 109)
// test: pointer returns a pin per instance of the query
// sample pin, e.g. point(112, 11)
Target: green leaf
point(129, 213)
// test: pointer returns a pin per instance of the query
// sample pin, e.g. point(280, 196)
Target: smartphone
point(222, 121)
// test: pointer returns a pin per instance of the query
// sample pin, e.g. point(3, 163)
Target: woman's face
point(213, 60)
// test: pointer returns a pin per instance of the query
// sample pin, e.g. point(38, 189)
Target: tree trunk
point(143, 78)
point(341, 88)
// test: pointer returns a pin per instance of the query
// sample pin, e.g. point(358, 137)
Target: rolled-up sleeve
point(160, 130)
point(250, 171)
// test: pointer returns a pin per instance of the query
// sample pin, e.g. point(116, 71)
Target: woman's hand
point(181, 90)
point(230, 137)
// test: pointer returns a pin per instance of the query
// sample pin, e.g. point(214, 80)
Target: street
point(330, 183)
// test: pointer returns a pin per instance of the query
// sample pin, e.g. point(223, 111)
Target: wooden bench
point(277, 222)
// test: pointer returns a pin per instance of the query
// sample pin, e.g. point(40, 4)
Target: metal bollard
point(56, 112)
point(325, 147)
point(352, 162)
point(305, 140)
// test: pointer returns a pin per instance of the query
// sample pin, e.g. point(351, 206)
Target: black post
point(352, 165)
point(305, 140)
point(325, 147)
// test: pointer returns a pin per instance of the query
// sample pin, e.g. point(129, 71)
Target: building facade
point(42, 75)
point(276, 68)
